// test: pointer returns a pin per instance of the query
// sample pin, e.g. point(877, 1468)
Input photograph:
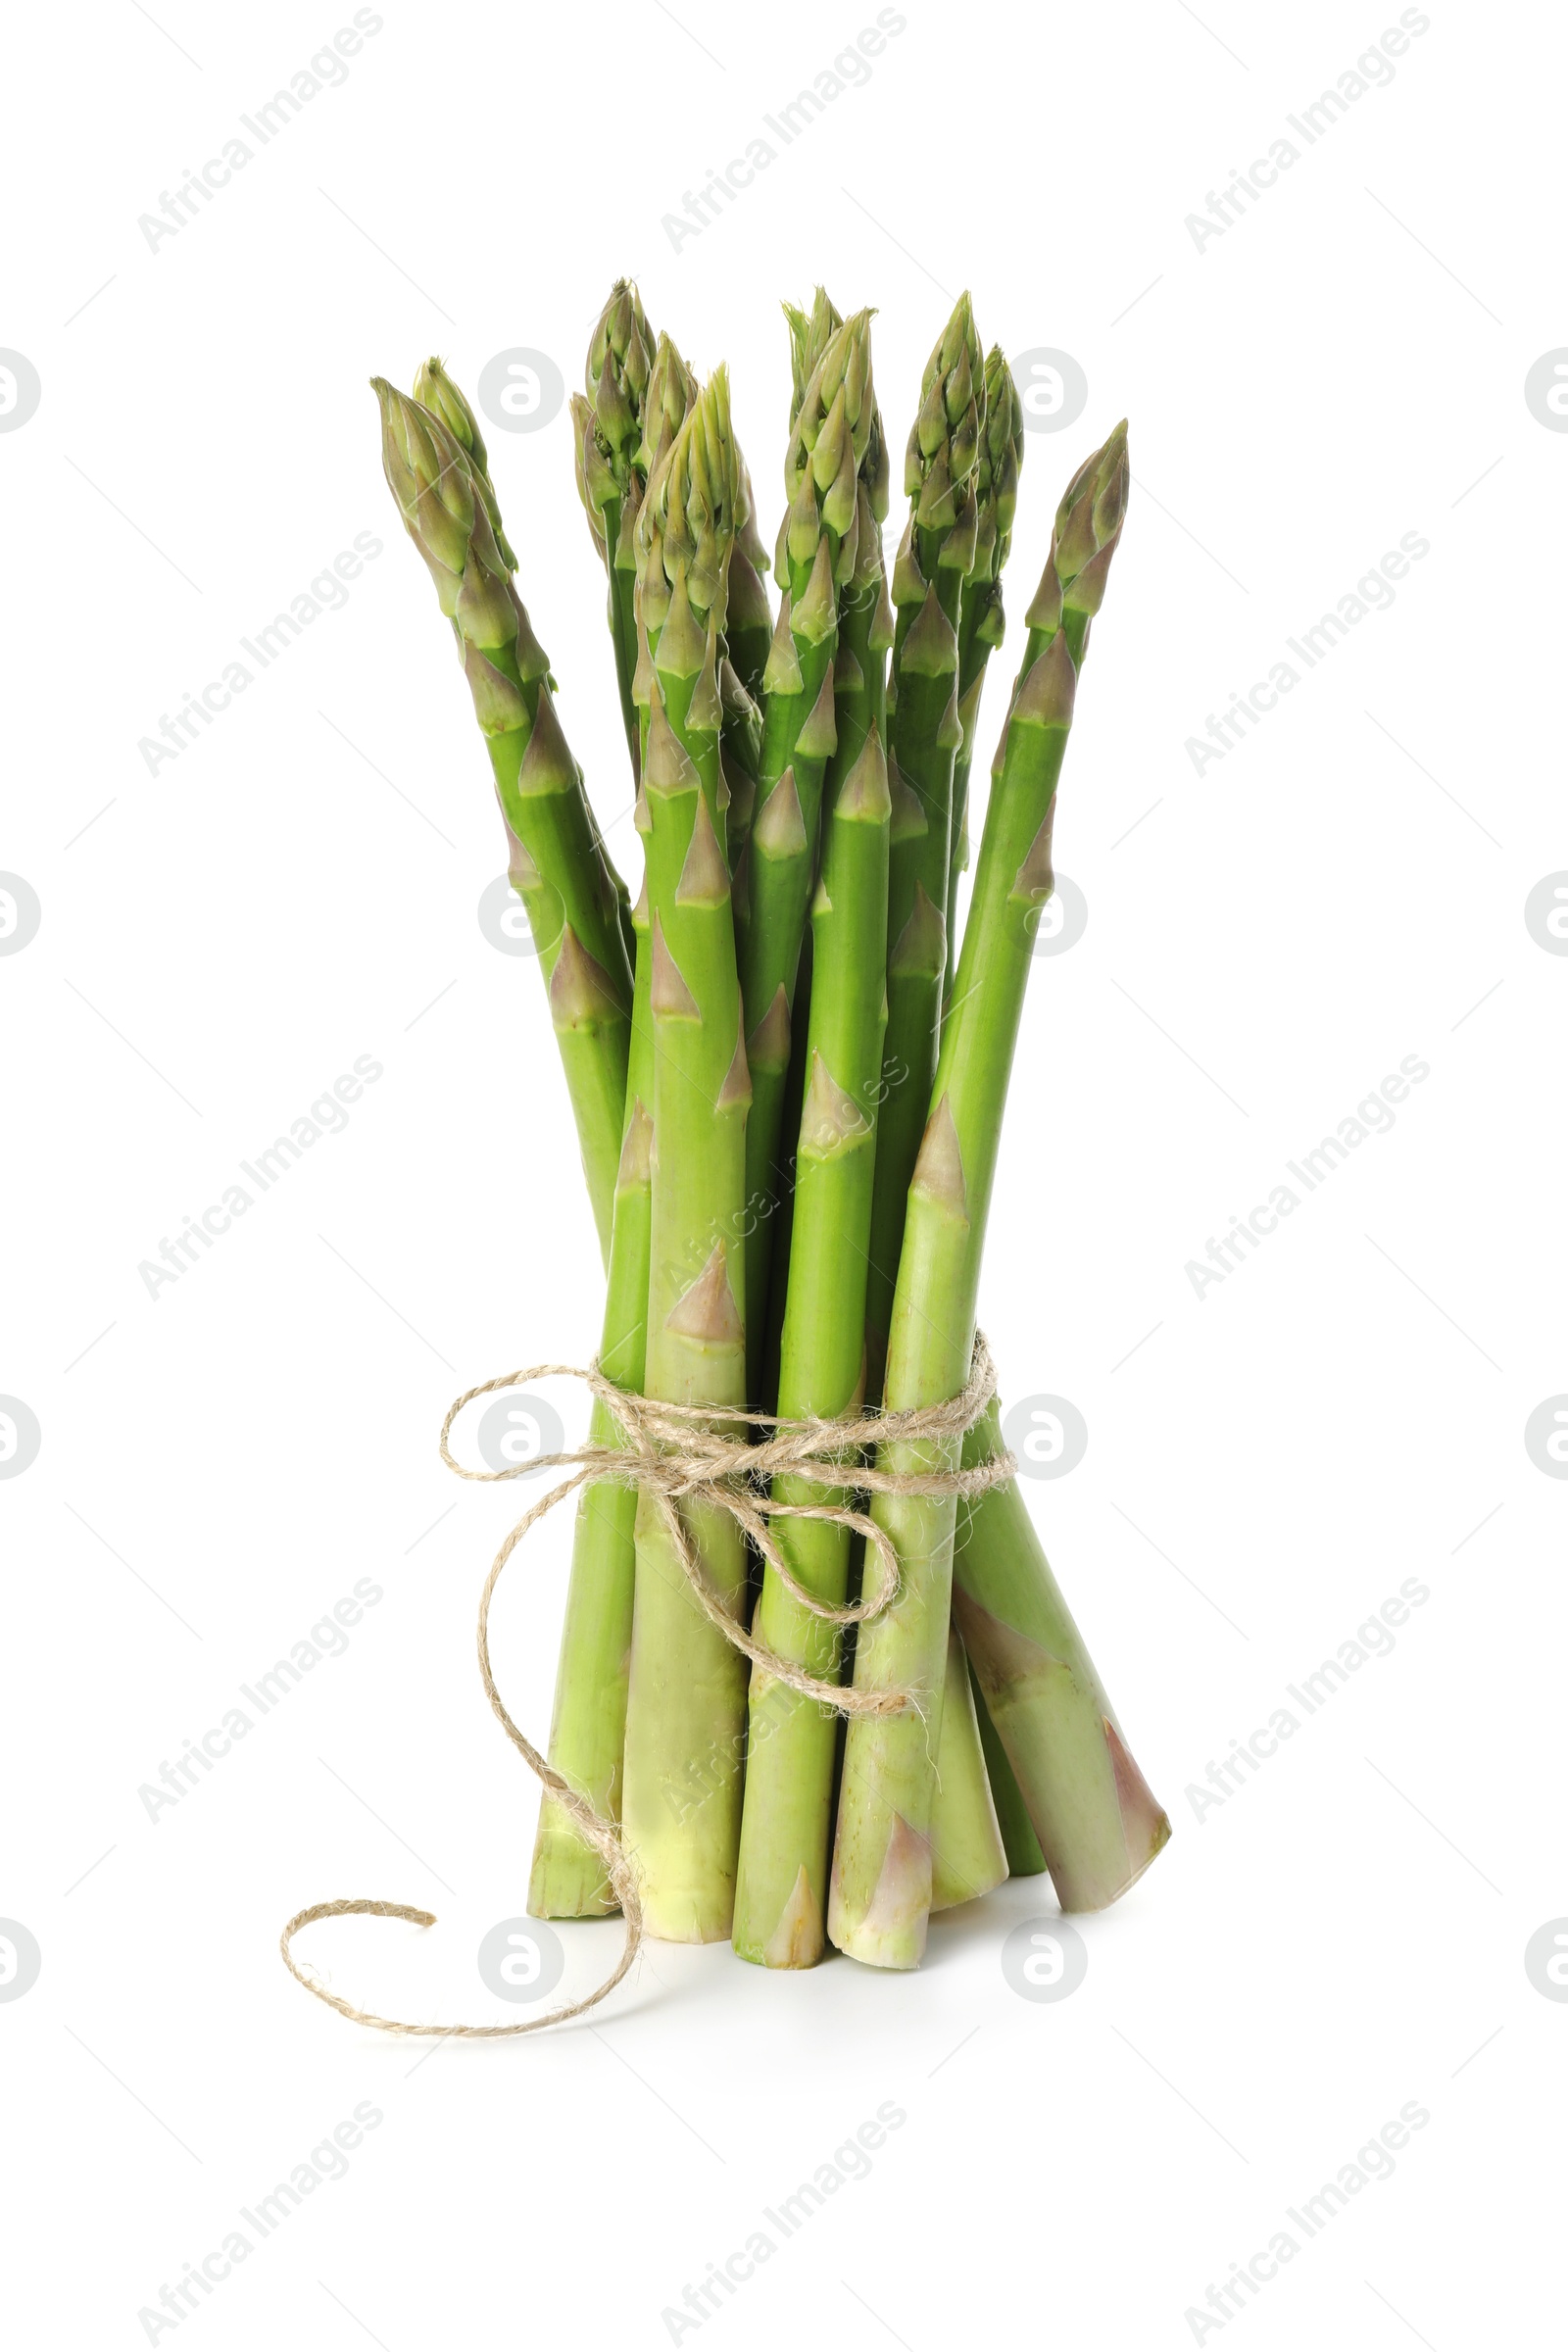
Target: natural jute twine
point(675, 1452)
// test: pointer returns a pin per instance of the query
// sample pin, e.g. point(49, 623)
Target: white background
point(219, 1465)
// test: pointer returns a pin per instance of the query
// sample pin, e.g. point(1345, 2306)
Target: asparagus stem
point(685, 1718)
point(784, 1835)
point(558, 862)
point(967, 1853)
point(939, 548)
point(881, 1886)
point(588, 1728)
point(788, 1813)
point(982, 623)
point(1095, 1821)
point(643, 407)
point(859, 703)
point(1098, 1825)
point(1018, 1840)
point(809, 335)
point(834, 440)
point(765, 1383)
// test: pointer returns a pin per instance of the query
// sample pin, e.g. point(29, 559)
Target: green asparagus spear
point(572, 896)
point(588, 1727)
point(685, 1720)
point(965, 1823)
point(608, 432)
point(784, 1835)
point(588, 1730)
point(1095, 1820)
point(434, 389)
point(786, 1826)
point(643, 402)
point(935, 560)
point(881, 1886)
point(981, 622)
point(830, 441)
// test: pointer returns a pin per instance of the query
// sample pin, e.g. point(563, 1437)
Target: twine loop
point(676, 1454)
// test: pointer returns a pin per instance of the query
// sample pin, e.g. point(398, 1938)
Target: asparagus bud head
point(428, 475)
point(944, 448)
point(435, 390)
point(809, 335)
point(621, 359)
point(1089, 518)
point(672, 390)
point(687, 523)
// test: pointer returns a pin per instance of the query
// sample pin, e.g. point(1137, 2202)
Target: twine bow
point(673, 1453)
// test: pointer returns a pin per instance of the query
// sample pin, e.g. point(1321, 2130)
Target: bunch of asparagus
point(788, 1094)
